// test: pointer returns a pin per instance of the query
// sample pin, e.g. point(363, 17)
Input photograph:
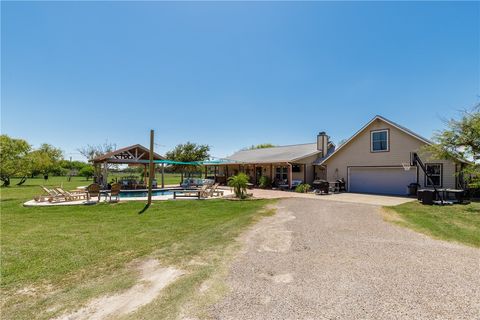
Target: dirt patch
point(153, 279)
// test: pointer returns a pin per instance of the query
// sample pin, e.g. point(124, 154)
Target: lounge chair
point(71, 195)
point(93, 190)
point(115, 191)
point(200, 193)
point(49, 193)
point(214, 192)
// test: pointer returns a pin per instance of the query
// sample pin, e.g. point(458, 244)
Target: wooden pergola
point(131, 155)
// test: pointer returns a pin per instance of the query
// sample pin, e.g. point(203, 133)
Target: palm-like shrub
point(239, 185)
point(302, 188)
point(264, 182)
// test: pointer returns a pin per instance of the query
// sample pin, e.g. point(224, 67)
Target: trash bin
point(428, 197)
point(413, 188)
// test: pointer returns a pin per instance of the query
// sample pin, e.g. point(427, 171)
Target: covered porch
point(281, 173)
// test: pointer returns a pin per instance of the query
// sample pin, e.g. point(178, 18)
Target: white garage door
point(381, 180)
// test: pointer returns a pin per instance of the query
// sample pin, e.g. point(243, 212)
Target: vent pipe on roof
point(322, 143)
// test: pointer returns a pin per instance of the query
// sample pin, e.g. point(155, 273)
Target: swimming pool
point(144, 193)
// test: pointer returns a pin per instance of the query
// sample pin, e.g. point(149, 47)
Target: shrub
point(87, 171)
point(239, 185)
point(264, 182)
point(302, 188)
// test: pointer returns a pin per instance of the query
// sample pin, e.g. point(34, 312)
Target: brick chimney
point(322, 143)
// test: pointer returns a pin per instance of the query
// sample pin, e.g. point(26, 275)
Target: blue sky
point(232, 74)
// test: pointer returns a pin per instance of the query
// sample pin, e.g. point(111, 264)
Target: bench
point(186, 194)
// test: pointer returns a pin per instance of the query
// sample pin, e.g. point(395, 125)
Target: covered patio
point(136, 155)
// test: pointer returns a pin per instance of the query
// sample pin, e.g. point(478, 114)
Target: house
point(373, 160)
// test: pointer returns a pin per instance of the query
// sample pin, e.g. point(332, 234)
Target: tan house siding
point(308, 161)
point(358, 153)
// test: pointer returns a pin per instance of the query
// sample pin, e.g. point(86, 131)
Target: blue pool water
point(143, 193)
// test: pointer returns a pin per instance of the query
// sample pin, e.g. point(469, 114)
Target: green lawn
point(56, 258)
point(459, 223)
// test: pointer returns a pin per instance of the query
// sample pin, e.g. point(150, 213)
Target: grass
point(56, 258)
point(460, 223)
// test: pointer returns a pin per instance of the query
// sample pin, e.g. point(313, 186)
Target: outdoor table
point(103, 193)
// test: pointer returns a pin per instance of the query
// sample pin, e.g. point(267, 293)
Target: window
point(379, 141)
point(435, 173)
point(281, 173)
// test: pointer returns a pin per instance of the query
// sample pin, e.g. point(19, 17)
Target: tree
point(188, 152)
point(92, 151)
point(13, 158)
point(261, 146)
point(239, 184)
point(87, 171)
point(461, 139)
point(45, 160)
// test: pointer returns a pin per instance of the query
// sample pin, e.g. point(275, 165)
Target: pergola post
point(145, 173)
point(163, 174)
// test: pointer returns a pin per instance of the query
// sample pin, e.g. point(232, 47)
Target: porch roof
point(278, 154)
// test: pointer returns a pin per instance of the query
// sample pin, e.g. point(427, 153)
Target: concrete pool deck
point(32, 203)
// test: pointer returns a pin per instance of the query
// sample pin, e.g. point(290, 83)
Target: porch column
point(304, 173)
point(255, 174)
point(271, 172)
point(289, 175)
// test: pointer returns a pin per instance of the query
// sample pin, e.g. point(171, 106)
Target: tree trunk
point(22, 181)
point(6, 181)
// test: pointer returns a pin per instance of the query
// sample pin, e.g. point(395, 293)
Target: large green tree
point(45, 159)
point(461, 139)
point(13, 158)
point(188, 152)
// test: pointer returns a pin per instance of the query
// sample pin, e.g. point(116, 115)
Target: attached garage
point(380, 180)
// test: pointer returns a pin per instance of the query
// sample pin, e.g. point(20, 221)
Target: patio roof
point(131, 154)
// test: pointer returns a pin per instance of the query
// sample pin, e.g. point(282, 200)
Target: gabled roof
point(130, 154)
point(275, 154)
point(377, 117)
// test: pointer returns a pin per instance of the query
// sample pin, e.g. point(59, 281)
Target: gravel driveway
point(333, 260)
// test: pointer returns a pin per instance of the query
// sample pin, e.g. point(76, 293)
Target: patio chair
point(93, 190)
point(115, 191)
